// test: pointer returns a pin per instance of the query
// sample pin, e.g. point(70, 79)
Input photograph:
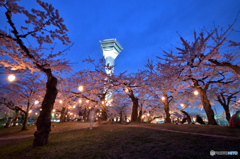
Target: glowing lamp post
point(36, 102)
point(80, 88)
point(11, 78)
point(195, 93)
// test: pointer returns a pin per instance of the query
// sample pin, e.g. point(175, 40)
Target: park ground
point(113, 140)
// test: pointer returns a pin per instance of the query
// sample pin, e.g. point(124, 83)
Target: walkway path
point(192, 133)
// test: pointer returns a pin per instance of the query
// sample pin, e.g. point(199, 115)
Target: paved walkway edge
point(184, 132)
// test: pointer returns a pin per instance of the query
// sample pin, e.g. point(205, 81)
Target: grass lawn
point(111, 140)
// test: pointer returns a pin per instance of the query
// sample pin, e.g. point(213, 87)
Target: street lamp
point(80, 88)
point(195, 93)
point(11, 77)
point(36, 102)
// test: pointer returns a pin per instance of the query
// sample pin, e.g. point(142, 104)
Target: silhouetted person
point(91, 117)
point(199, 120)
point(234, 121)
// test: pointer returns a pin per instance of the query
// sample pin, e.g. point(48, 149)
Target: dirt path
point(192, 133)
point(85, 126)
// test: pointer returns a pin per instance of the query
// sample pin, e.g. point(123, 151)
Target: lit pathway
point(192, 133)
point(82, 126)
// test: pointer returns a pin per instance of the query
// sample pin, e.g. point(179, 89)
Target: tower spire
point(110, 49)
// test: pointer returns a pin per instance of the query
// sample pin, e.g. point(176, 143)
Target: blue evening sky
point(143, 27)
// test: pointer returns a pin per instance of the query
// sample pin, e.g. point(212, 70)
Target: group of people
point(234, 121)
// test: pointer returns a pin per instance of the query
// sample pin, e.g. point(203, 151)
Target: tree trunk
point(88, 115)
point(207, 107)
point(44, 119)
point(149, 120)
point(65, 117)
point(24, 127)
point(166, 108)
point(104, 114)
point(16, 118)
point(134, 117)
point(62, 117)
point(120, 117)
point(68, 117)
point(85, 114)
point(226, 108)
point(140, 116)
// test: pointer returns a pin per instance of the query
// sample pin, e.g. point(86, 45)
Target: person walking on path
point(92, 117)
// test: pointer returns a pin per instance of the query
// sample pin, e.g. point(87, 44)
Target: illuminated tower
point(110, 49)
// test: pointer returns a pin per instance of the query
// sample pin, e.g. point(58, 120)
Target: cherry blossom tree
point(227, 95)
point(9, 105)
point(120, 105)
point(22, 94)
point(131, 85)
point(198, 70)
point(42, 26)
point(164, 82)
point(65, 99)
point(93, 86)
point(224, 58)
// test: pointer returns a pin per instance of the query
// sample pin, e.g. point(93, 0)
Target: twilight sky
point(143, 27)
